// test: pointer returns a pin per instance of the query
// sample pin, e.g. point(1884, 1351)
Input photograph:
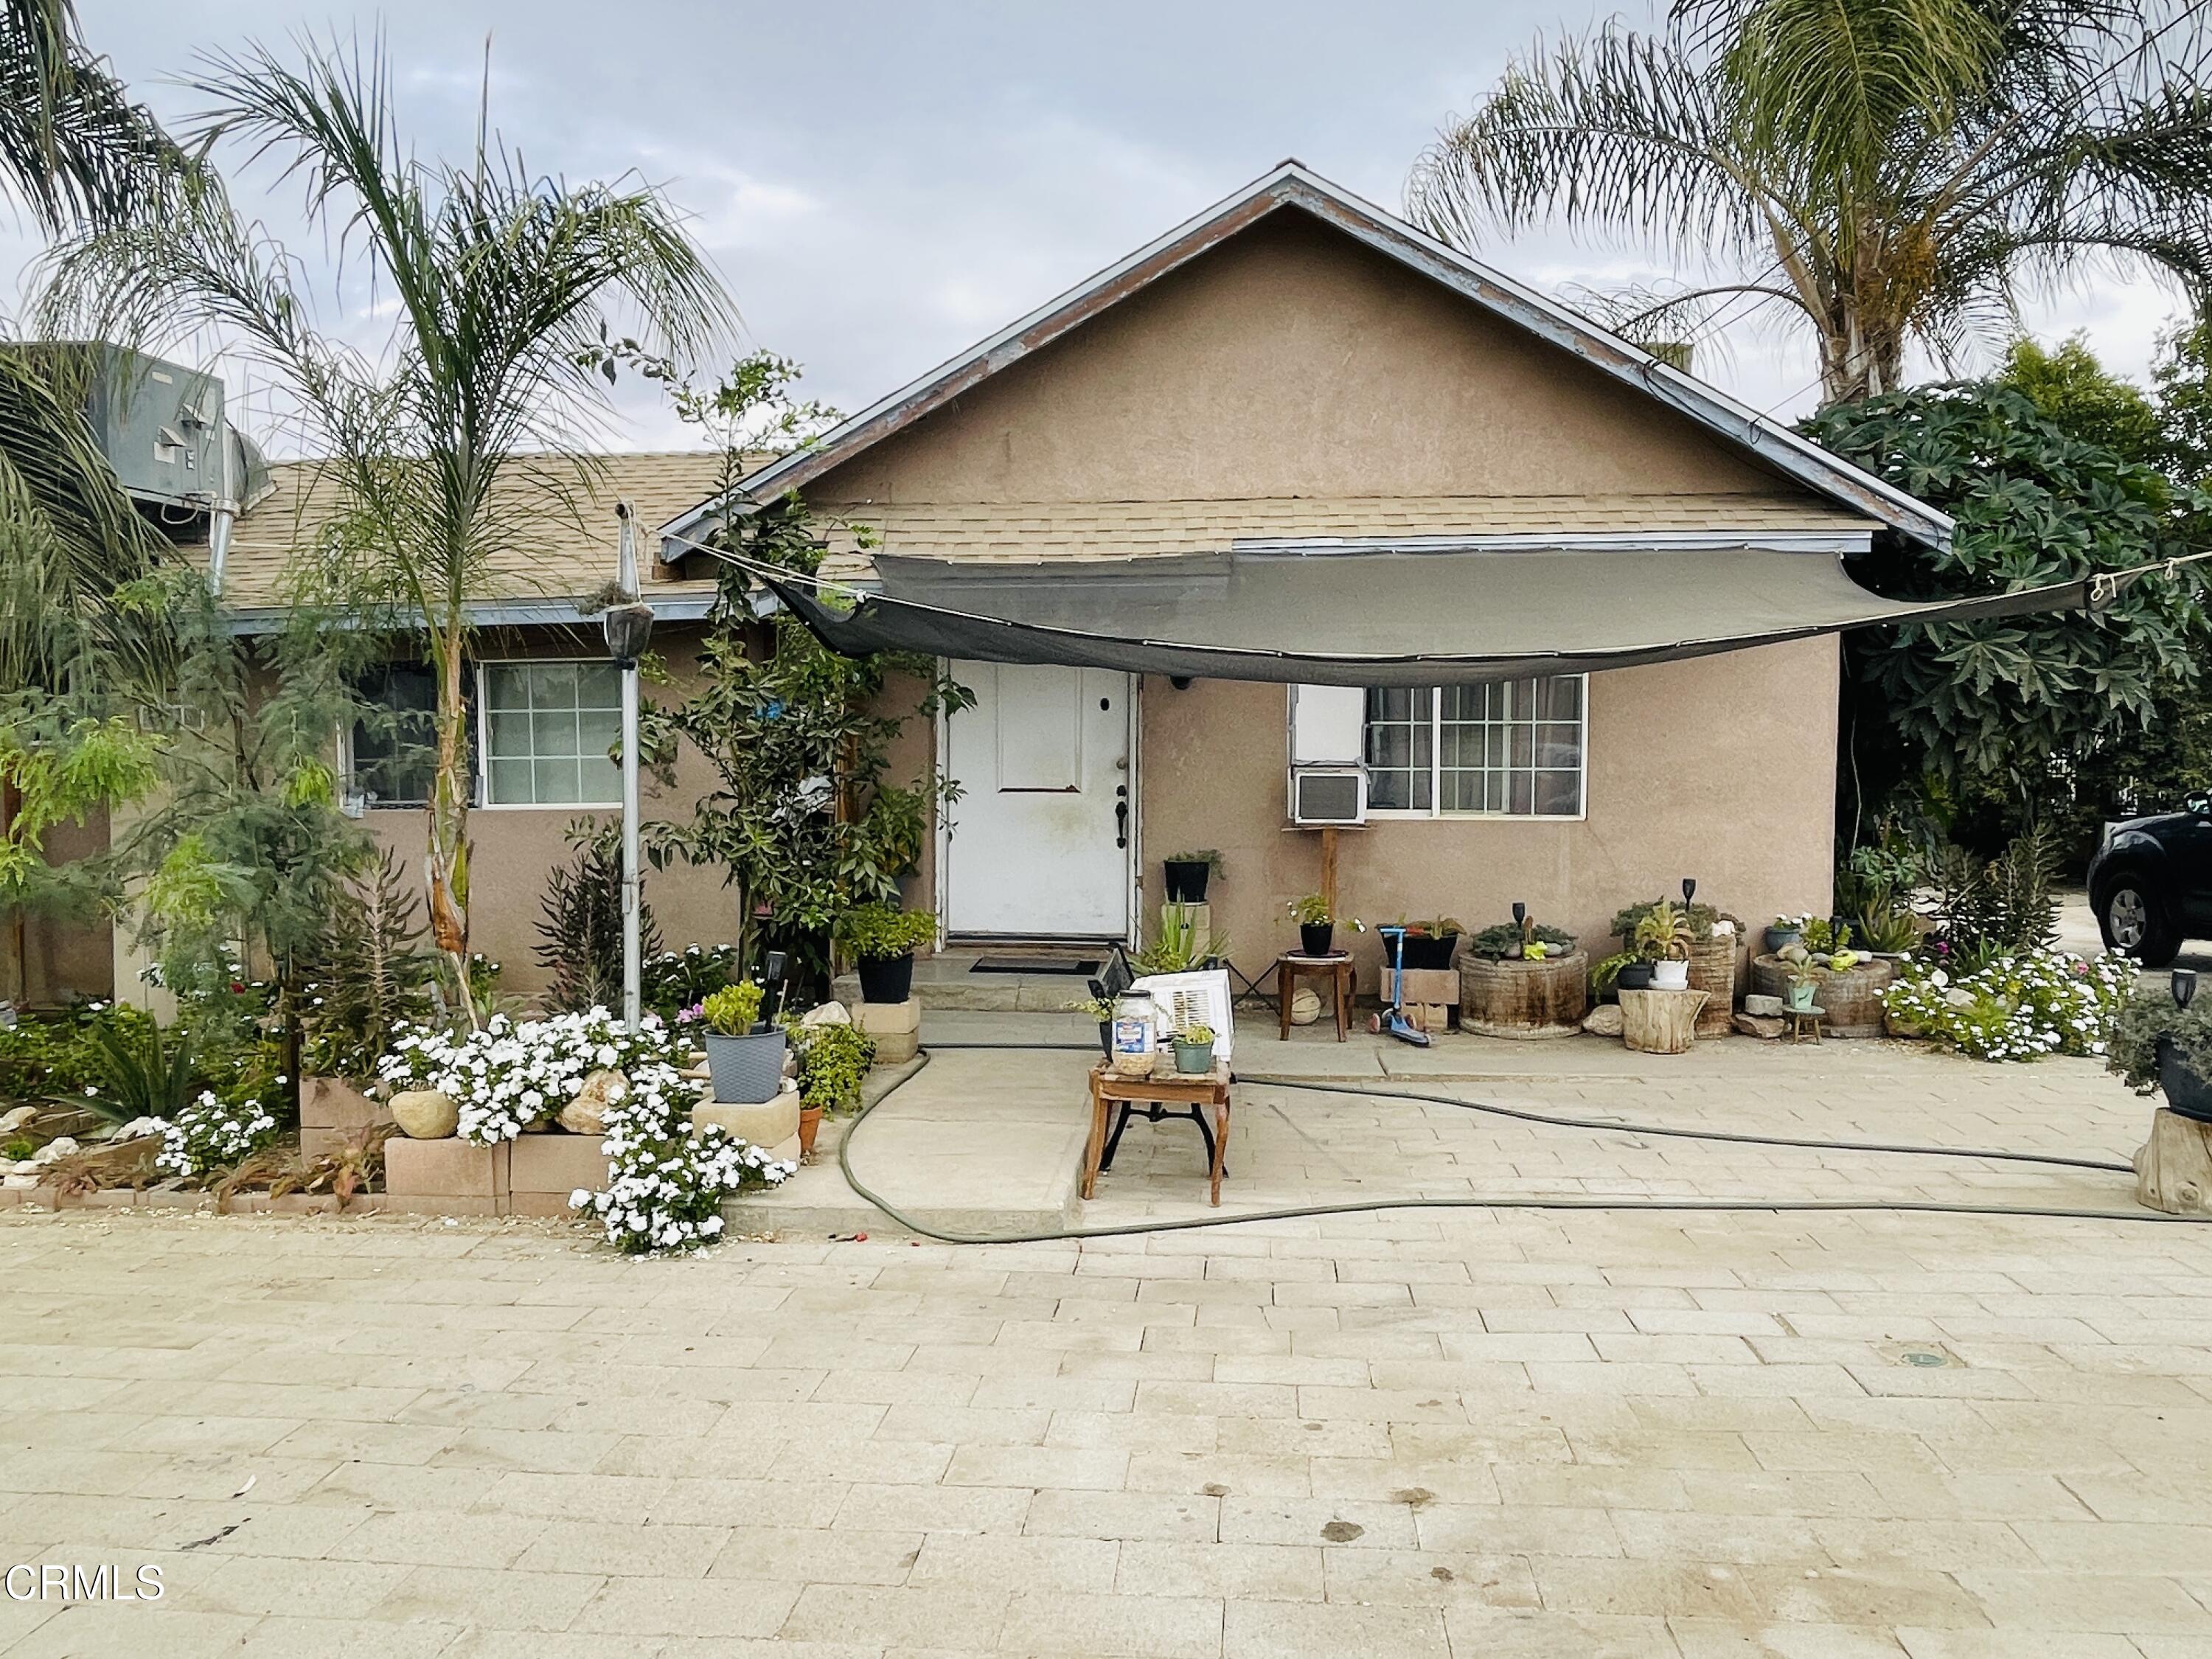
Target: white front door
point(1042, 832)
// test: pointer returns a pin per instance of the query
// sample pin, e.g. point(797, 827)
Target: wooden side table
point(1202, 1092)
point(1293, 965)
point(1804, 1020)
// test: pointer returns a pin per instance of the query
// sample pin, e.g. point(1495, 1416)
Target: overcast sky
point(883, 183)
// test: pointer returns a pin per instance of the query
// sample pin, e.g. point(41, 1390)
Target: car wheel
point(2134, 921)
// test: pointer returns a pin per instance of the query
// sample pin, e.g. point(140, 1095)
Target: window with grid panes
point(1509, 748)
point(548, 726)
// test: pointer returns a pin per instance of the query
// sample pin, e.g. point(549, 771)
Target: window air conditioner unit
point(1328, 794)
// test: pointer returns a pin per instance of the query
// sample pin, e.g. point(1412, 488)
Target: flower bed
point(2022, 1006)
point(510, 1075)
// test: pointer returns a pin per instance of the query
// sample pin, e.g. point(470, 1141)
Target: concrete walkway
point(988, 1141)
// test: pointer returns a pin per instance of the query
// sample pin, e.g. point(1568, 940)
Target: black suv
point(2151, 882)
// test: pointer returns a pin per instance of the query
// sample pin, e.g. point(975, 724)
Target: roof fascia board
point(487, 613)
point(1847, 542)
point(1292, 185)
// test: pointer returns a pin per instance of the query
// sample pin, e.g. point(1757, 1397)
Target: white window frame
point(485, 803)
point(1424, 814)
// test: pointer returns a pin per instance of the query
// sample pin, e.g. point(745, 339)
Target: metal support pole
point(633, 967)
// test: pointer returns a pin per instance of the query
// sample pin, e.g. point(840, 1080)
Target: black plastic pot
point(1187, 879)
point(1314, 938)
point(1431, 950)
point(886, 979)
point(1636, 977)
point(1105, 1037)
point(2187, 1094)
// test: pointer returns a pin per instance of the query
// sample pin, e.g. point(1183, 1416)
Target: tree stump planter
point(1543, 999)
point(2173, 1168)
point(1852, 998)
point(1712, 971)
point(1660, 1022)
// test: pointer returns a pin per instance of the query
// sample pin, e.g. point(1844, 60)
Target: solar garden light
point(1689, 889)
point(1520, 913)
point(629, 625)
point(2184, 987)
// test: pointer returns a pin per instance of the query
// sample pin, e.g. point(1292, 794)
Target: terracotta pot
point(810, 1124)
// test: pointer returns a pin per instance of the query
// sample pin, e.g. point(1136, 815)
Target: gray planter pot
point(745, 1071)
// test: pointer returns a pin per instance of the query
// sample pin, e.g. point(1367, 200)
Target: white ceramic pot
point(1670, 975)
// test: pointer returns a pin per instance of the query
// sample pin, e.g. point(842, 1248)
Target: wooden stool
point(1802, 1020)
point(1292, 965)
point(1207, 1090)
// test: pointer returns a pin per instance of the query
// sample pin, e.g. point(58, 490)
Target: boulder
point(16, 1117)
point(1769, 1026)
point(59, 1147)
point(1761, 1007)
point(586, 1115)
point(425, 1114)
point(830, 1013)
point(1604, 1020)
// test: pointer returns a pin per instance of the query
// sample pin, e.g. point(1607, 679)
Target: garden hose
point(1515, 1201)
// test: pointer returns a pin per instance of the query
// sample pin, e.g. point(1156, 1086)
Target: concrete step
point(948, 981)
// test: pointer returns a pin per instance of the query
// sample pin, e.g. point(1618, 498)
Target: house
point(1295, 375)
point(1408, 446)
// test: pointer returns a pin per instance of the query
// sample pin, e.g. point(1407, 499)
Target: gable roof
point(1291, 185)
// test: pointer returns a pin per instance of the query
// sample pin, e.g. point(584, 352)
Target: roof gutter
point(249, 620)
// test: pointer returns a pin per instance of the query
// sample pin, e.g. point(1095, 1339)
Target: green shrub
point(676, 979)
point(876, 933)
point(733, 1011)
point(2148, 1018)
point(833, 1061)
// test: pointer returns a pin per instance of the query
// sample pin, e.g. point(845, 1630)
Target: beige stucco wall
point(1720, 767)
point(1292, 360)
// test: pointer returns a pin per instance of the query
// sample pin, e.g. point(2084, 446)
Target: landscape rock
point(59, 1147)
point(1763, 1007)
point(425, 1114)
point(20, 1183)
point(1761, 1025)
point(16, 1117)
point(830, 1013)
point(138, 1129)
point(1604, 1020)
point(586, 1115)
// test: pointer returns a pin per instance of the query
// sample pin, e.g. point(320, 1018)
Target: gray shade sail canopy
point(1377, 618)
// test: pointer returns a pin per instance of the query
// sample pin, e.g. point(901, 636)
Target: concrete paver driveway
point(1463, 1432)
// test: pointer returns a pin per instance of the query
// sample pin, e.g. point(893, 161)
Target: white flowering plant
point(667, 1181)
point(212, 1133)
point(2020, 1006)
point(510, 1075)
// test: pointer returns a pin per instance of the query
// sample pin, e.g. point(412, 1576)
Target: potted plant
point(1664, 940)
point(1526, 940)
point(1179, 947)
point(1785, 931)
point(2166, 1044)
point(1100, 1008)
point(1430, 944)
point(1316, 927)
point(1797, 993)
point(745, 1058)
point(1193, 1049)
point(833, 1061)
point(882, 939)
point(1187, 873)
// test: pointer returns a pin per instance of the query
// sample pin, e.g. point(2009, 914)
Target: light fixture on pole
point(628, 624)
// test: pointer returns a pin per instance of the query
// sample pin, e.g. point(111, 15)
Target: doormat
point(1081, 968)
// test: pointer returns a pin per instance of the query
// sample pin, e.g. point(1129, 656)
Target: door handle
point(1120, 823)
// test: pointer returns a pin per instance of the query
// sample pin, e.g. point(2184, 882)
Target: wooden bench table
point(1202, 1091)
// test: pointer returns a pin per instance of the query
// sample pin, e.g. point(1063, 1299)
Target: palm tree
point(437, 444)
point(1885, 171)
